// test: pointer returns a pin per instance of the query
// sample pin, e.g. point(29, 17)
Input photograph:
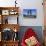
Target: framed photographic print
point(12, 12)
point(5, 12)
point(30, 13)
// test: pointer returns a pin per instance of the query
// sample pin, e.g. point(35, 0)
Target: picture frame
point(12, 12)
point(5, 12)
point(30, 13)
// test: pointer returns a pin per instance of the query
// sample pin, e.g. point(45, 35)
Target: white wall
point(29, 4)
point(7, 3)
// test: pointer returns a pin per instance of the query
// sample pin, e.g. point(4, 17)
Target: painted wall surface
point(7, 3)
point(27, 4)
point(31, 4)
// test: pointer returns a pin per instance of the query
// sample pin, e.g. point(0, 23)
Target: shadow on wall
point(37, 29)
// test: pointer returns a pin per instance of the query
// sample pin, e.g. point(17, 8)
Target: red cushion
point(29, 33)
